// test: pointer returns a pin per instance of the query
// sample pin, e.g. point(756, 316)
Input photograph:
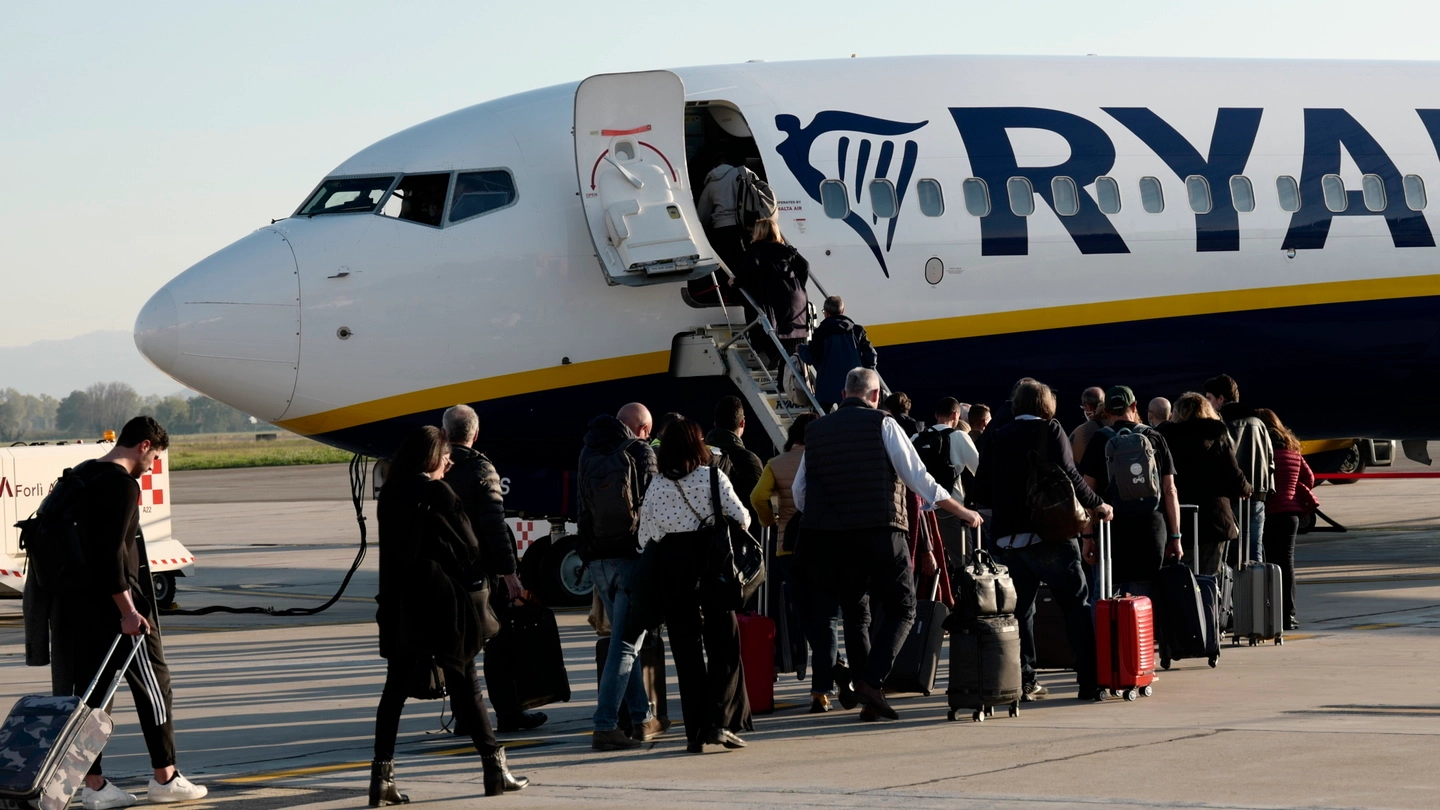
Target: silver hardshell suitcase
point(1258, 604)
point(47, 743)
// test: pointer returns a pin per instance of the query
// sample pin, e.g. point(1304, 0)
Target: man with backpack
point(112, 592)
point(1024, 465)
point(948, 453)
point(838, 345)
point(1130, 463)
point(616, 466)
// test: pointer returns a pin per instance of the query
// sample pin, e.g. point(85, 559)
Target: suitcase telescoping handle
point(1243, 521)
point(1194, 510)
point(119, 673)
point(1103, 567)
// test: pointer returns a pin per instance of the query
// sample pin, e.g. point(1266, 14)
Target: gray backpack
point(1134, 487)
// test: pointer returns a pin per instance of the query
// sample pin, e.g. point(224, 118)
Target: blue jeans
point(1057, 565)
point(621, 679)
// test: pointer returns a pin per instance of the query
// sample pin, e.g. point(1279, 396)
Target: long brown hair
point(1277, 429)
point(420, 452)
point(1191, 405)
point(682, 449)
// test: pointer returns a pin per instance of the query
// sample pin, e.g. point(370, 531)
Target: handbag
point(489, 623)
point(736, 560)
point(426, 681)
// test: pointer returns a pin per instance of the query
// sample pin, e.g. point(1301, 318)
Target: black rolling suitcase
point(1052, 643)
point(539, 661)
point(47, 744)
point(919, 658)
point(1188, 629)
point(652, 665)
point(984, 667)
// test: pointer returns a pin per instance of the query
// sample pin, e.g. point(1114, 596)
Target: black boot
point(382, 785)
point(498, 778)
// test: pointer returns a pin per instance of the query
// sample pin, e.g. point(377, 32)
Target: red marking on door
point(611, 133)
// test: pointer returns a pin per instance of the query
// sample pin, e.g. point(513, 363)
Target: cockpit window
point(477, 193)
point(347, 195)
point(419, 198)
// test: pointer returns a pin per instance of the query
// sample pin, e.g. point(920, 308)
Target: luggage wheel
point(989, 711)
point(1214, 660)
point(951, 716)
point(1279, 640)
point(978, 716)
point(1147, 691)
point(1131, 693)
point(1165, 663)
point(1015, 709)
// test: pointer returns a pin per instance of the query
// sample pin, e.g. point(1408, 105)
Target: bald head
point(636, 417)
point(1090, 400)
point(1158, 412)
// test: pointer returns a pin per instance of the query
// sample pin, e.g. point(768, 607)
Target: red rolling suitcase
point(1124, 634)
point(757, 660)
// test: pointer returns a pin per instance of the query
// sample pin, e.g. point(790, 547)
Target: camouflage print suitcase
point(48, 743)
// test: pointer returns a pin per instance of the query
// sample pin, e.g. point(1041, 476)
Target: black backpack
point(754, 199)
point(609, 490)
point(933, 447)
point(53, 538)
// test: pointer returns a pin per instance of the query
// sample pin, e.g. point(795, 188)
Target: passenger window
point(932, 199)
point(1152, 196)
point(1372, 188)
point(882, 199)
point(1107, 193)
point(479, 193)
point(1334, 188)
point(834, 199)
point(1198, 189)
point(1289, 192)
point(1067, 196)
point(1242, 194)
point(419, 198)
point(1022, 196)
point(347, 195)
point(1415, 192)
point(977, 197)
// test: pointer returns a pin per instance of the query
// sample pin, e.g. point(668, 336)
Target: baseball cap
point(1119, 398)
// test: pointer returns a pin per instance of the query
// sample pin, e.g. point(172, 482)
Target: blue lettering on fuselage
point(1326, 131)
point(993, 159)
point(1230, 146)
point(986, 135)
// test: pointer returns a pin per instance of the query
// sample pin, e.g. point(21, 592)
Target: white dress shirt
point(903, 458)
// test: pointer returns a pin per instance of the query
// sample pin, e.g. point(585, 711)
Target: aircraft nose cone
point(229, 327)
point(157, 331)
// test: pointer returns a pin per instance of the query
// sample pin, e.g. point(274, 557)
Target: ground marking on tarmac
point(1374, 626)
point(314, 770)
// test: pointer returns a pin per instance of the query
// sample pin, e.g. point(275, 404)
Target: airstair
point(727, 349)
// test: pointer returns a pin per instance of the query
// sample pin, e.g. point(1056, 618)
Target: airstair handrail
point(764, 323)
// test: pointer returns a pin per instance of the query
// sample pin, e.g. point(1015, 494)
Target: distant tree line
point(107, 406)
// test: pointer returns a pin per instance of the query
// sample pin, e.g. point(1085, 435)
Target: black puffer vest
point(849, 480)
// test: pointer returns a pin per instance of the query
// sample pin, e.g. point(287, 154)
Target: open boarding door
point(630, 159)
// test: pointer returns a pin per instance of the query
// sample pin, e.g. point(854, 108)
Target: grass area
point(220, 452)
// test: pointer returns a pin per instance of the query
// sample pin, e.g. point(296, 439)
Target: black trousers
point(465, 698)
point(1280, 531)
point(865, 566)
point(85, 628)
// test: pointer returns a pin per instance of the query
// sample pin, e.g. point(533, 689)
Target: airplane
point(1082, 220)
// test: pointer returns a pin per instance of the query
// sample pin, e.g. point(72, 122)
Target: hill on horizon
point(57, 367)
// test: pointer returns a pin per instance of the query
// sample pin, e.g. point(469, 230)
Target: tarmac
point(278, 712)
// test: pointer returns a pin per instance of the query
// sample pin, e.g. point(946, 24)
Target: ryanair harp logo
point(864, 151)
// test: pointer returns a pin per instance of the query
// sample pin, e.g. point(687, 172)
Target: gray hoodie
point(717, 201)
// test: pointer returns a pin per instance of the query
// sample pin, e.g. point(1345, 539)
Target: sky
point(141, 137)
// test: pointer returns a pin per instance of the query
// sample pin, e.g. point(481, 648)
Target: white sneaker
point(178, 789)
point(105, 798)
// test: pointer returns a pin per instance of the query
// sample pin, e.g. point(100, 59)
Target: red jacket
point(1291, 473)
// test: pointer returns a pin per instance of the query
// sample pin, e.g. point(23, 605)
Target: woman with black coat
point(429, 563)
point(775, 275)
point(1206, 474)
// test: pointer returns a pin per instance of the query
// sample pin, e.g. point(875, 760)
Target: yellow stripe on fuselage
point(891, 334)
